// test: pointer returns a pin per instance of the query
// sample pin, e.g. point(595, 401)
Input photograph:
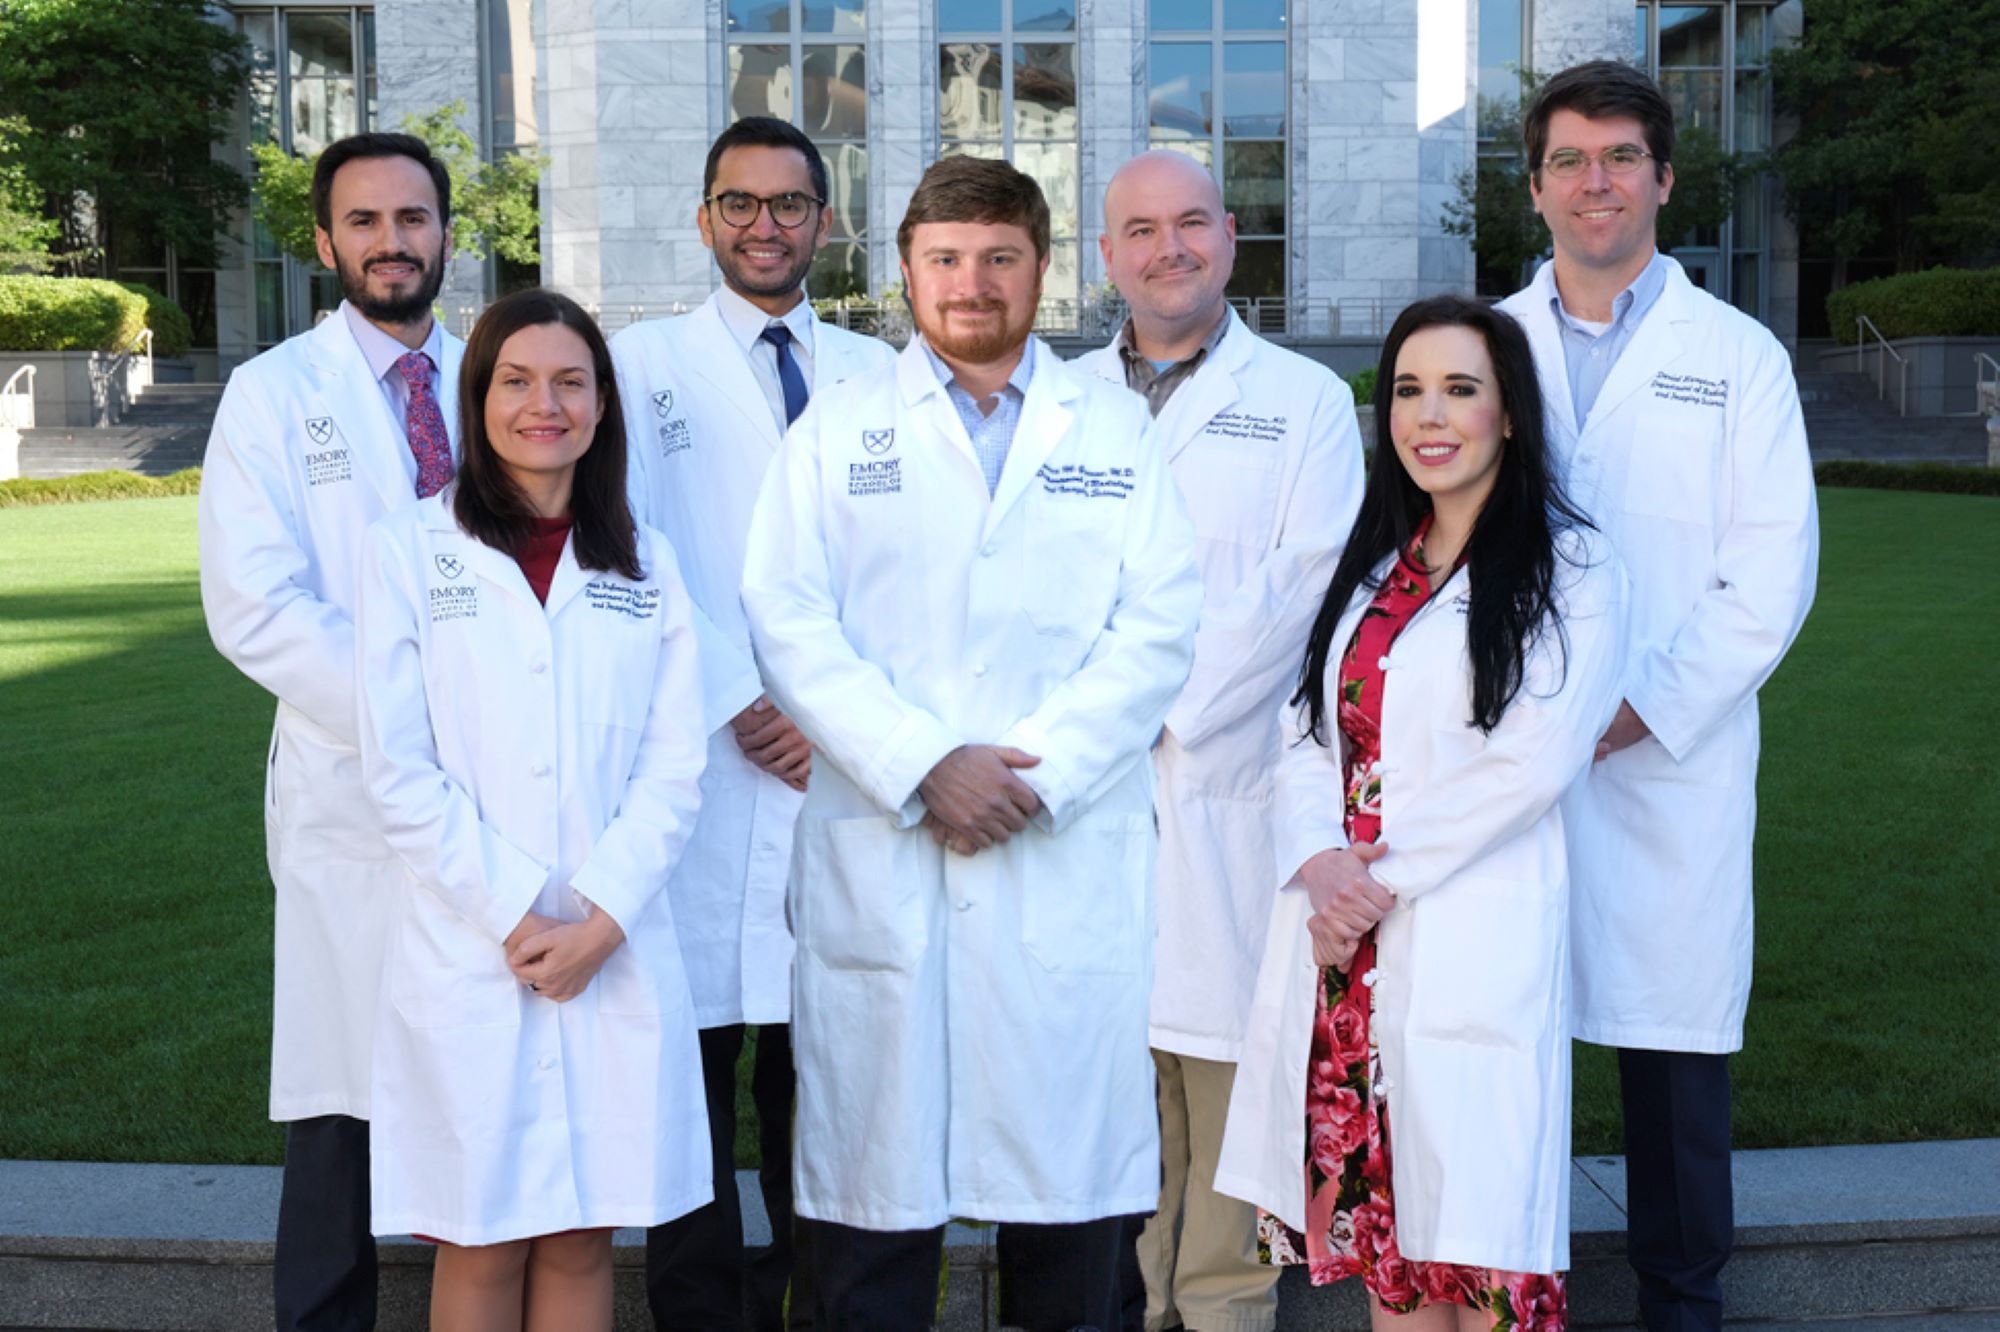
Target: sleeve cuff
point(517, 881)
point(1046, 779)
point(916, 746)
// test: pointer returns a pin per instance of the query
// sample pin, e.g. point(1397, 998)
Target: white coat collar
point(719, 359)
point(1659, 341)
point(1210, 391)
point(353, 397)
point(499, 568)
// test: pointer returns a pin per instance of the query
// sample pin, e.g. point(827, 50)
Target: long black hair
point(1512, 552)
point(487, 502)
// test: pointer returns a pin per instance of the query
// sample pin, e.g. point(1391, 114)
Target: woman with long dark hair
point(532, 730)
point(1402, 1114)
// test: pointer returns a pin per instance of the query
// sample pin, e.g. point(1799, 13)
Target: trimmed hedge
point(69, 314)
point(173, 333)
point(1362, 382)
point(1940, 303)
point(97, 486)
point(1938, 478)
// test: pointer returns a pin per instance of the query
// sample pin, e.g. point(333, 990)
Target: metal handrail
point(1863, 324)
point(8, 393)
point(1982, 387)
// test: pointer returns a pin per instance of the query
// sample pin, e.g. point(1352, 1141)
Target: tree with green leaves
point(1896, 106)
point(24, 233)
point(492, 203)
point(121, 102)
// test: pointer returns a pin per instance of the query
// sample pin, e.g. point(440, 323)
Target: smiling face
point(763, 261)
point(387, 244)
point(1168, 245)
point(543, 404)
point(1445, 415)
point(1600, 220)
point(973, 288)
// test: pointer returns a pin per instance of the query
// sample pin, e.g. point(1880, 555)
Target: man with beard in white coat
point(972, 581)
point(1264, 446)
point(1679, 420)
point(708, 396)
point(316, 439)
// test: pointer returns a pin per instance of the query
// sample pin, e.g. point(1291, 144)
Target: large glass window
point(1217, 91)
point(804, 61)
point(1710, 60)
point(1007, 74)
point(312, 80)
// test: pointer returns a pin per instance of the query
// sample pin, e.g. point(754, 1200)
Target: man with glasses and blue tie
point(708, 397)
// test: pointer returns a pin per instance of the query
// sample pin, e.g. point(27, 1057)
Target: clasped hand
point(1346, 900)
point(973, 800)
point(557, 959)
point(770, 739)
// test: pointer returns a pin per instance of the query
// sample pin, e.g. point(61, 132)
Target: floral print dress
point(1350, 1215)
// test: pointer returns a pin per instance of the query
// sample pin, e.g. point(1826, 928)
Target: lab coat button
point(547, 1062)
point(1382, 664)
point(965, 906)
point(990, 549)
point(980, 669)
point(540, 668)
point(540, 770)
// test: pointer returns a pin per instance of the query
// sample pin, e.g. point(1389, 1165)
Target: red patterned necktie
point(424, 424)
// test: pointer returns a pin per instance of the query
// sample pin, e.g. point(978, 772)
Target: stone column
point(902, 121)
point(427, 54)
point(629, 97)
point(1111, 107)
point(1569, 32)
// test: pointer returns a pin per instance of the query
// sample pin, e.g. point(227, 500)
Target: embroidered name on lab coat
point(1242, 425)
point(674, 437)
point(459, 602)
point(883, 477)
point(634, 603)
point(1089, 482)
point(1691, 388)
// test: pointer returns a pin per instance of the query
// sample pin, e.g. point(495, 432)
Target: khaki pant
point(1199, 1251)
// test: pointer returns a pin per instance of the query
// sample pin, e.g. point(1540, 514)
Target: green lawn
point(137, 959)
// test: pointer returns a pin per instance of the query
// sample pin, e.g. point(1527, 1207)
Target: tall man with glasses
point(708, 397)
point(315, 440)
point(1678, 419)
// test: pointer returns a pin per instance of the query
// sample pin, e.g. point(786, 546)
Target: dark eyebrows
point(363, 214)
point(528, 369)
point(1454, 375)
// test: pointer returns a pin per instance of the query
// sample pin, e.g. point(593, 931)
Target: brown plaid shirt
point(1159, 385)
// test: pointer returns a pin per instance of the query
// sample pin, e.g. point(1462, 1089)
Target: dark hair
point(1601, 90)
point(487, 502)
point(765, 132)
point(977, 189)
point(1511, 554)
point(356, 146)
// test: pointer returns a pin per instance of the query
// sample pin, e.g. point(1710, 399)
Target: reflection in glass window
point(1217, 89)
point(1007, 89)
point(815, 76)
point(321, 50)
point(1690, 35)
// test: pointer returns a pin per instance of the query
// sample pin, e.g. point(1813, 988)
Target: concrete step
point(150, 450)
point(1903, 1236)
point(1955, 439)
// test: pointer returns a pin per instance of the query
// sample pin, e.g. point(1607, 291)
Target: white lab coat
point(1264, 447)
point(971, 1033)
point(1694, 463)
point(304, 455)
point(700, 439)
point(525, 758)
point(1472, 980)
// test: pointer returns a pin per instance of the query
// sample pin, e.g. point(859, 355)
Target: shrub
point(1940, 303)
point(69, 314)
point(173, 334)
point(1938, 478)
point(1362, 381)
point(96, 486)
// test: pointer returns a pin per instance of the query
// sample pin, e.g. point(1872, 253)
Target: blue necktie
point(789, 377)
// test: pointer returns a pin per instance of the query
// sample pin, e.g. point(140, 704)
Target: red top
point(1359, 713)
point(544, 553)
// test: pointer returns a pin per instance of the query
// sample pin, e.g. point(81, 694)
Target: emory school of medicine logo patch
point(449, 566)
point(663, 403)
point(320, 428)
point(878, 442)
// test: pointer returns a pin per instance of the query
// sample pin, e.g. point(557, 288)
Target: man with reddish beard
point(315, 440)
point(1264, 446)
point(708, 396)
point(971, 581)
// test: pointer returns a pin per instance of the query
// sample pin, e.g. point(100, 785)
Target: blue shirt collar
point(1629, 306)
point(1023, 373)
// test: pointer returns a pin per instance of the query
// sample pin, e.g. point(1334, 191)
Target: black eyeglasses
point(788, 210)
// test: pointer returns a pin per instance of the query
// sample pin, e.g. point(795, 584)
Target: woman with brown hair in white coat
point(1402, 1110)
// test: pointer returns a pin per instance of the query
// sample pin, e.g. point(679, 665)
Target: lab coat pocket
point(445, 974)
point(626, 982)
point(1231, 490)
point(1484, 954)
point(1073, 559)
point(1668, 472)
point(1085, 896)
point(859, 901)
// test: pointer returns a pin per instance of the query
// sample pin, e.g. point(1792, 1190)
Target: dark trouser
point(1680, 1222)
point(1052, 1278)
point(698, 1274)
point(323, 1275)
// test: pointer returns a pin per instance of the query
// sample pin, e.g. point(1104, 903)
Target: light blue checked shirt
point(1590, 350)
point(992, 434)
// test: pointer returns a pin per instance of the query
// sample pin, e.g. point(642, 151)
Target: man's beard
point(783, 285)
point(404, 309)
point(985, 346)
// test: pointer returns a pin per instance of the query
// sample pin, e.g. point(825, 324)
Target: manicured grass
point(137, 962)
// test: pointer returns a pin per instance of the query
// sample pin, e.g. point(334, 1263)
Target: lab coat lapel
point(1212, 391)
point(454, 357)
point(570, 578)
point(1657, 344)
point(925, 399)
point(1046, 414)
point(835, 358)
point(1539, 319)
point(353, 399)
point(726, 375)
point(490, 566)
